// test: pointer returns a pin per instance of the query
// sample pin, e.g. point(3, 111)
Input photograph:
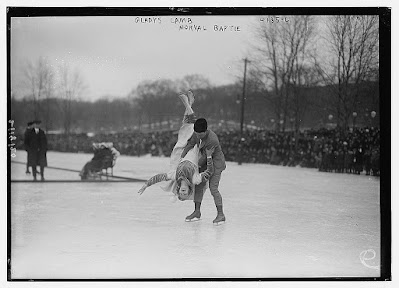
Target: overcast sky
point(114, 54)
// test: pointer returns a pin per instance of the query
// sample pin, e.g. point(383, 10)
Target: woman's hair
point(184, 171)
point(190, 190)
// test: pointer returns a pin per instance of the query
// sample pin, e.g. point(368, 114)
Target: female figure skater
point(183, 174)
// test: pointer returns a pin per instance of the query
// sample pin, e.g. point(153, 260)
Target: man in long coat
point(36, 146)
point(27, 131)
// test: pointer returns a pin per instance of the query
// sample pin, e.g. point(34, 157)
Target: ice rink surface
point(282, 222)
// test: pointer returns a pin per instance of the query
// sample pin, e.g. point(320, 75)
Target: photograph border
point(384, 14)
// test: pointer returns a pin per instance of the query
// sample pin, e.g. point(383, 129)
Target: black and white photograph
point(179, 144)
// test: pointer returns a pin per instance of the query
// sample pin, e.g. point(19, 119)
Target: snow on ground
point(281, 222)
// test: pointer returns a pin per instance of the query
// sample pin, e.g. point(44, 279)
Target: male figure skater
point(207, 140)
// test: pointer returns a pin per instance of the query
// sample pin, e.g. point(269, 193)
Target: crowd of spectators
point(127, 143)
point(329, 150)
point(332, 150)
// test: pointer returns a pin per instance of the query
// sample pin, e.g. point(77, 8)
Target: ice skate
point(184, 98)
point(191, 97)
point(186, 102)
point(195, 216)
point(219, 220)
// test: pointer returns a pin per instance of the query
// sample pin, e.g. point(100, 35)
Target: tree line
point(148, 111)
point(290, 85)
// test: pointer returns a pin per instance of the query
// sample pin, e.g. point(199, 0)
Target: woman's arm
point(153, 180)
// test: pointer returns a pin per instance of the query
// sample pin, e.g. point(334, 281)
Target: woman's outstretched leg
point(187, 128)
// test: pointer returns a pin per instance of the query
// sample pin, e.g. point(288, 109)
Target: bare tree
point(48, 92)
point(70, 87)
point(282, 54)
point(304, 77)
point(194, 82)
point(300, 74)
point(353, 60)
point(156, 100)
point(267, 66)
point(38, 79)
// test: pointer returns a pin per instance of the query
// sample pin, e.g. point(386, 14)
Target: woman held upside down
point(183, 178)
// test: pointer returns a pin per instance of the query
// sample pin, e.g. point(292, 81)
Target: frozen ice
point(280, 222)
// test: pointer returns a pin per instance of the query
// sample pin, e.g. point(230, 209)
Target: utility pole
point(242, 111)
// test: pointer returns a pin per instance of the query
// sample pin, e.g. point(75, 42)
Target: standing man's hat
point(37, 121)
point(200, 125)
point(30, 123)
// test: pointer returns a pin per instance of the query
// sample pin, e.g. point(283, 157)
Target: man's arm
point(213, 141)
point(204, 176)
point(210, 144)
point(209, 169)
point(190, 145)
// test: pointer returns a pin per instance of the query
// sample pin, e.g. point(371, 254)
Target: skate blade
point(219, 223)
point(193, 220)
